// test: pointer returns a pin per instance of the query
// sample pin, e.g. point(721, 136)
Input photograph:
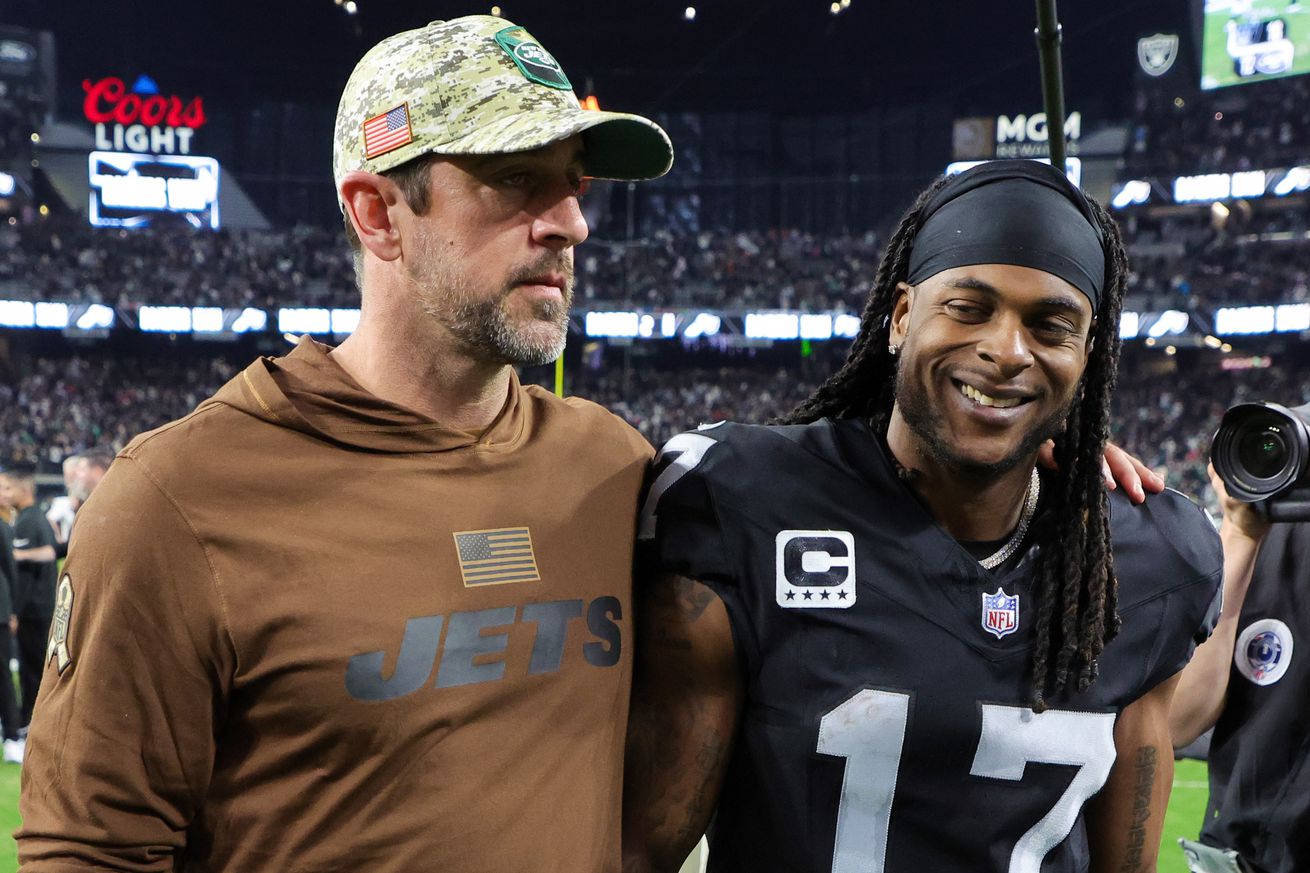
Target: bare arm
point(1125, 820)
point(687, 693)
point(1203, 689)
point(40, 554)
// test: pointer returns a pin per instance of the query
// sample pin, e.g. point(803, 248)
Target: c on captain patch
point(815, 569)
point(57, 647)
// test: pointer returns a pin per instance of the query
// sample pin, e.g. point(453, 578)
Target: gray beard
point(926, 422)
point(484, 327)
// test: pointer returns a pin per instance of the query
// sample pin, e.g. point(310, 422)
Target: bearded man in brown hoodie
point(242, 677)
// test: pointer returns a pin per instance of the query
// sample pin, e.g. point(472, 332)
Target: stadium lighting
point(1171, 350)
point(1244, 320)
point(1171, 321)
point(835, 7)
point(52, 315)
point(207, 319)
point(1133, 193)
point(1129, 325)
point(36, 137)
point(1297, 179)
point(1225, 348)
point(249, 320)
point(845, 4)
point(704, 324)
point(845, 325)
point(1292, 317)
point(495, 10)
point(689, 13)
point(772, 325)
point(96, 315)
point(351, 7)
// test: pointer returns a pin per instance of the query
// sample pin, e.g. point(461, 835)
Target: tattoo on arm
point(1143, 790)
point(681, 727)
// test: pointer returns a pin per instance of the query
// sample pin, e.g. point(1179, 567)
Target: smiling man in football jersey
point(876, 637)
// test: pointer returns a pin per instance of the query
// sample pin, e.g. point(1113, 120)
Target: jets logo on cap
point(537, 64)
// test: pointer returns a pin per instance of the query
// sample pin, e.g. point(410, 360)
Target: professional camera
point(1262, 452)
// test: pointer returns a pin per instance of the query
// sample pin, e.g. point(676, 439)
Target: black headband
point(1012, 212)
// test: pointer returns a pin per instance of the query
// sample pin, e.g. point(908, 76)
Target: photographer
point(1246, 684)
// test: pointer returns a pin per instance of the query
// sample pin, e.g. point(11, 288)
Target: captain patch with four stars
point(874, 637)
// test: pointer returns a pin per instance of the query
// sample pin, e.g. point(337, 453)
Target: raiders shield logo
point(57, 647)
point(1157, 53)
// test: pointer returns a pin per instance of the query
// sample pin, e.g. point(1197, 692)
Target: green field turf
point(1217, 67)
point(8, 816)
point(1186, 808)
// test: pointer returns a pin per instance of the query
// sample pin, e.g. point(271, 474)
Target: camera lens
point(1262, 452)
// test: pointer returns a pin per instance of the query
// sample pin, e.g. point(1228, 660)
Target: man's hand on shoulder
point(1119, 468)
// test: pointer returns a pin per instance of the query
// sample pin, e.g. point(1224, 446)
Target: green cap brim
point(618, 146)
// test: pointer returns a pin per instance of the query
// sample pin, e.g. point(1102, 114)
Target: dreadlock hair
point(1075, 589)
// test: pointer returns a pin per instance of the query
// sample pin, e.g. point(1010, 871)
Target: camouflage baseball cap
point(473, 86)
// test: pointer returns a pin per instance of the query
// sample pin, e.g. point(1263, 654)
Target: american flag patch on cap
point(387, 131)
point(494, 557)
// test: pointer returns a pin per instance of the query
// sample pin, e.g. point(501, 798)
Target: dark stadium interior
point(728, 289)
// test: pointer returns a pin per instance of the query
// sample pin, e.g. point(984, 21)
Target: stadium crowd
point(1178, 261)
point(1166, 410)
point(1256, 127)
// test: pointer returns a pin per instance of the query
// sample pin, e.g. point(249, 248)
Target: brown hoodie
point(309, 630)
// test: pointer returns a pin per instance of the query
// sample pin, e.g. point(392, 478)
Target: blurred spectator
point(82, 473)
point(9, 718)
point(34, 595)
point(1164, 411)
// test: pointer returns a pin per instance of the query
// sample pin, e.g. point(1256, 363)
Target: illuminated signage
point(612, 324)
point(772, 325)
point(55, 316)
point(1027, 136)
point(131, 190)
point(845, 326)
point(704, 324)
point(1171, 322)
point(1244, 320)
point(1131, 193)
point(298, 321)
point(816, 326)
point(345, 321)
point(140, 119)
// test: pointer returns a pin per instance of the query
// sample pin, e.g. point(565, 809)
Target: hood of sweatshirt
point(309, 392)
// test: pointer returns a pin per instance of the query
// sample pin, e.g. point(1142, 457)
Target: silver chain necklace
point(1012, 544)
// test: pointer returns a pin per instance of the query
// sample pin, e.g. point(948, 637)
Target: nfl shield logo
point(1000, 613)
point(1157, 53)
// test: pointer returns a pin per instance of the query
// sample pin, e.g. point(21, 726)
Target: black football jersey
point(1260, 753)
point(887, 725)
